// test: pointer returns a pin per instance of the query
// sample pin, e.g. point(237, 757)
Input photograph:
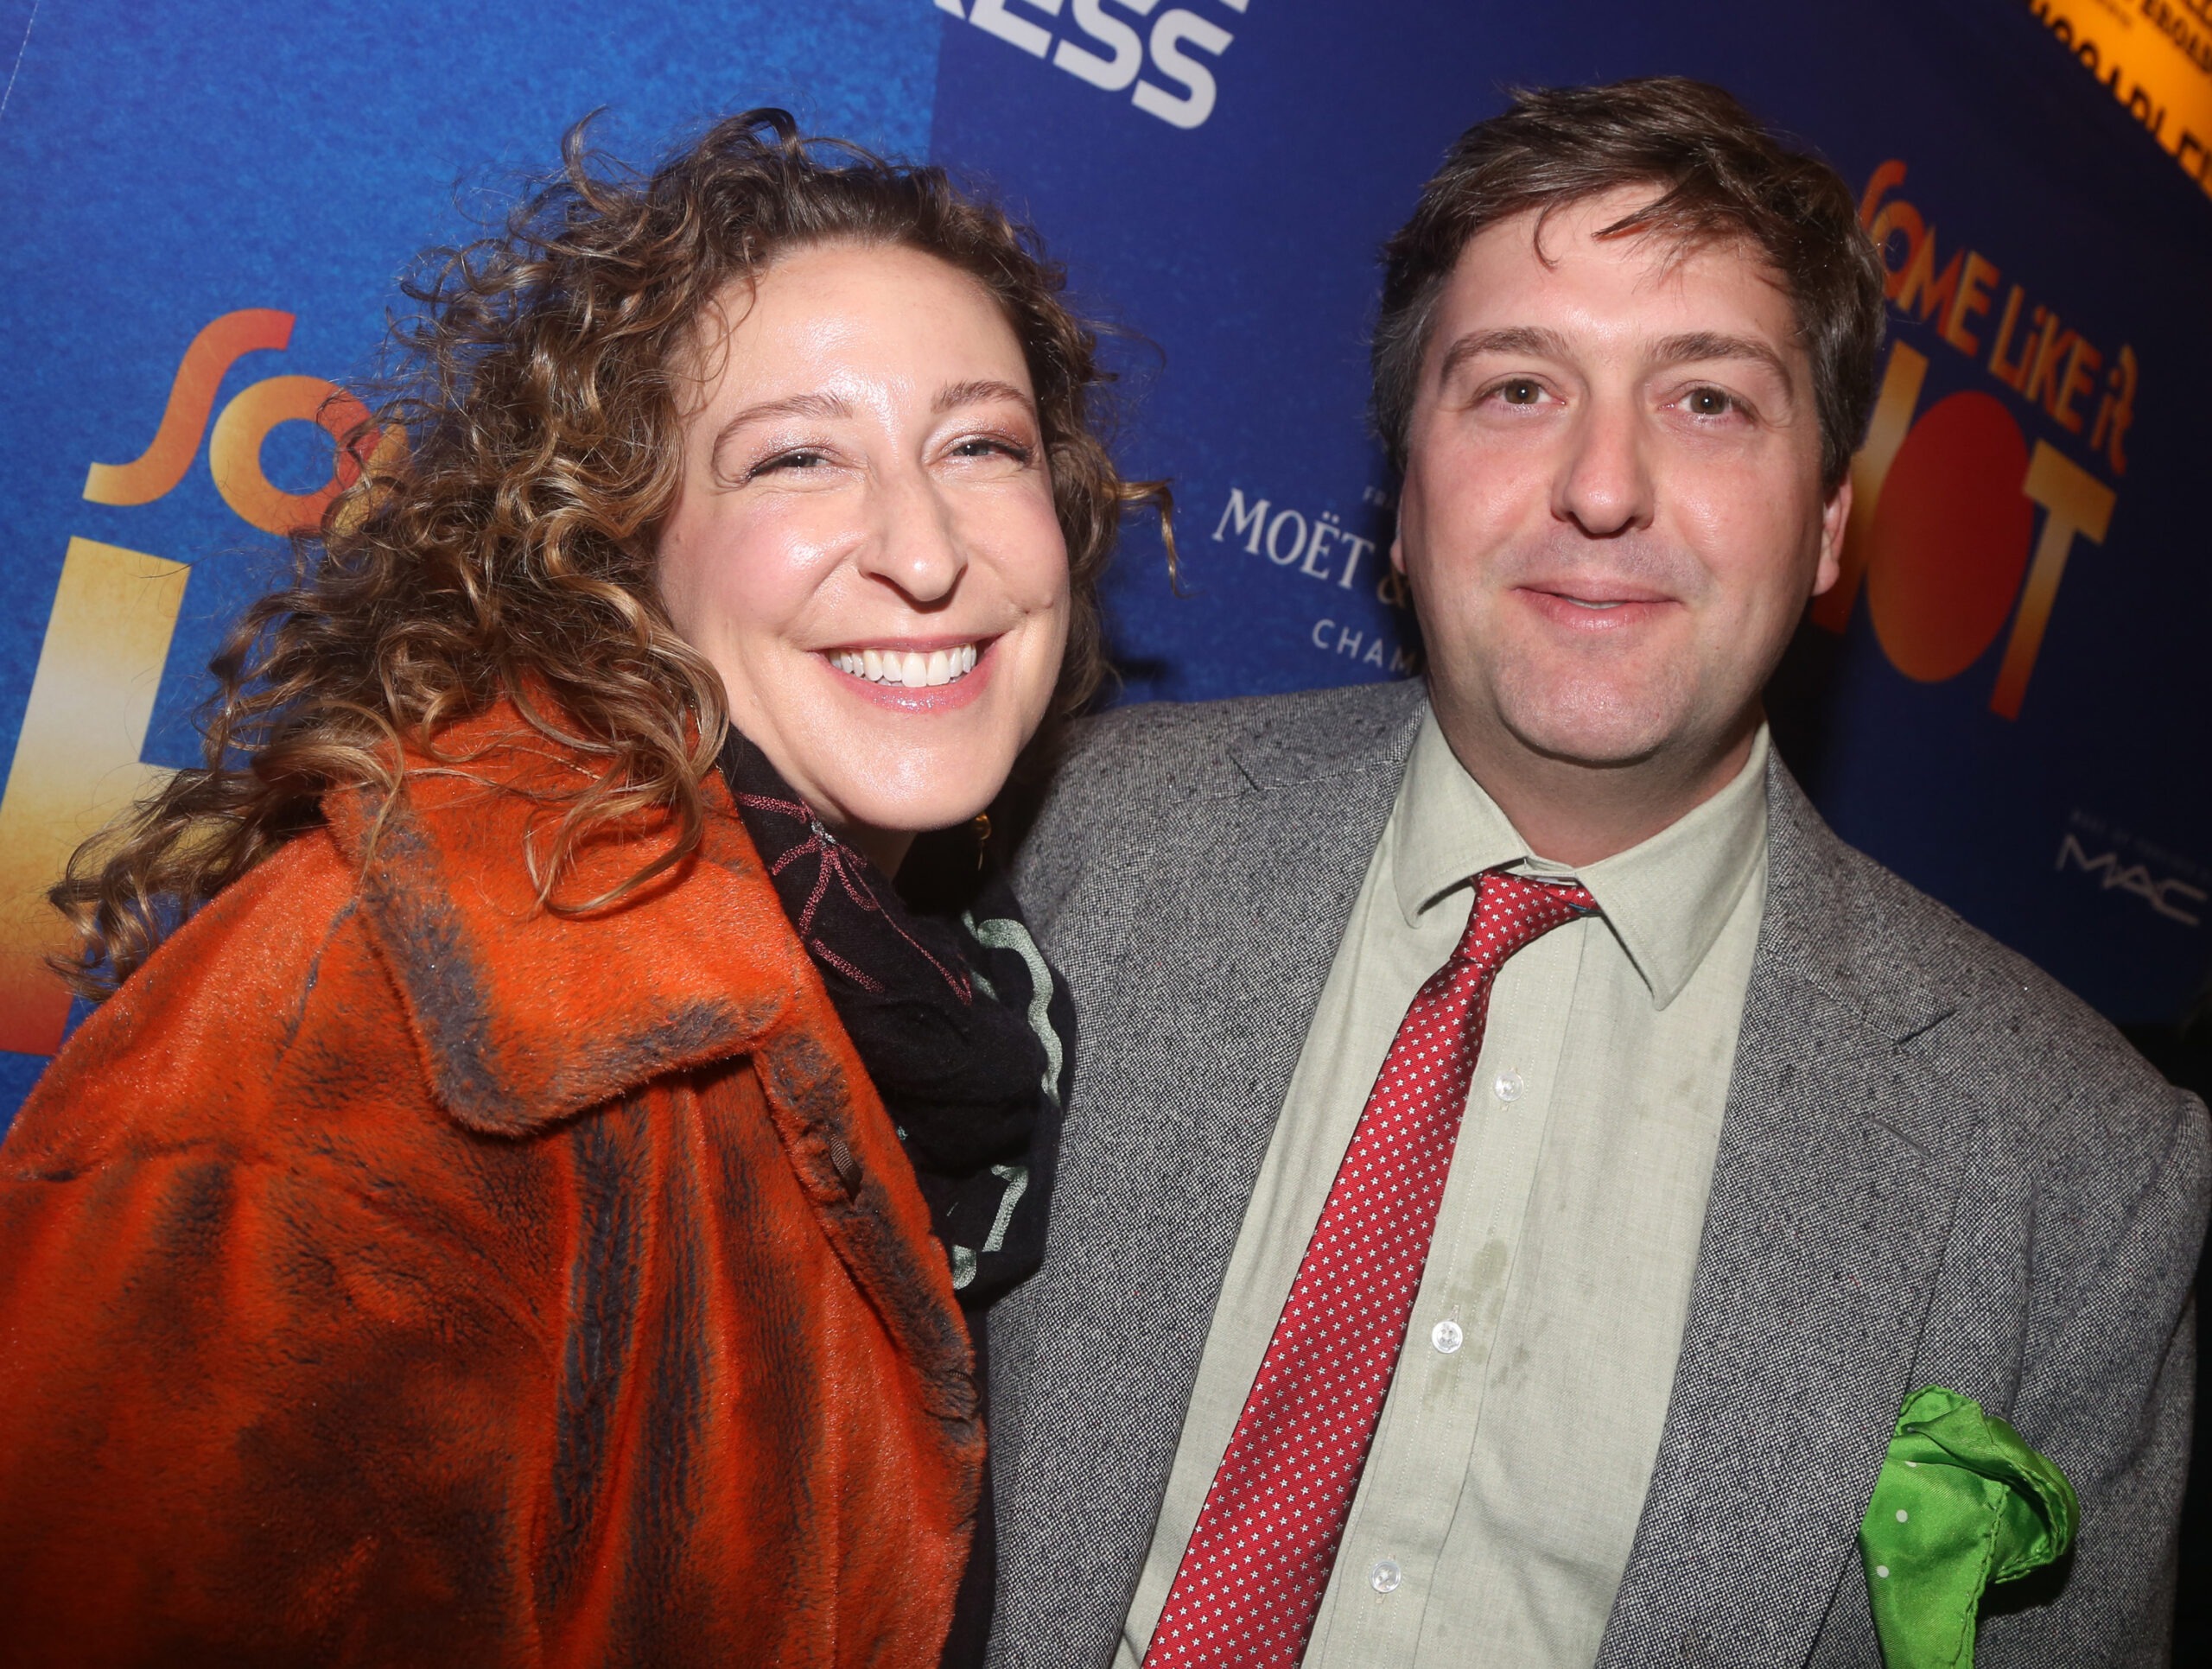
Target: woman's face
point(864, 546)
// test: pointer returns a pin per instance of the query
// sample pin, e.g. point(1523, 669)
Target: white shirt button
point(1508, 1086)
point(1446, 1336)
point(1385, 1576)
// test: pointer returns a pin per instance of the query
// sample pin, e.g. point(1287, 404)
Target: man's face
point(1612, 515)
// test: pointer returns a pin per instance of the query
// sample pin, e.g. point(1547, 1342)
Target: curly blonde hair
point(507, 551)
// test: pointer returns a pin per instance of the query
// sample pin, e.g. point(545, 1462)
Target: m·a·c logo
point(1100, 42)
point(2170, 895)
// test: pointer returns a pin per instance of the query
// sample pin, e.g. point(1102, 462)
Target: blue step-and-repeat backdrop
point(2007, 699)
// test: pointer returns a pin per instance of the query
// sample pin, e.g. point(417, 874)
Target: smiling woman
point(865, 479)
point(574, 1079)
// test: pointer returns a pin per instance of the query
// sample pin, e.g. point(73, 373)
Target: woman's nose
point(914, 544)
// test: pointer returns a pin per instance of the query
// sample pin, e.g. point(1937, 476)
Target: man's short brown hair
point(1718, 174)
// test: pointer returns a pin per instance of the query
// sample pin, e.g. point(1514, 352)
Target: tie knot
point(1512, 911)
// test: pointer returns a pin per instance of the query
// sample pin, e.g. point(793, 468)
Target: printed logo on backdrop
point(77, 762)
point(2167, 883)
point(1164, 60)
point(1943, 541)
point(1307, 544)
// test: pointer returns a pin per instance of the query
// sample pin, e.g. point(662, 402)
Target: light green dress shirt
point(1494, 1518)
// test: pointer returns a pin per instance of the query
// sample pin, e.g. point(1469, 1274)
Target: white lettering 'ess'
point(1101, 42)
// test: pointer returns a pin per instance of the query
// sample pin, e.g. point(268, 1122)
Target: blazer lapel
point(1838, 1168)
point(1194, 1001)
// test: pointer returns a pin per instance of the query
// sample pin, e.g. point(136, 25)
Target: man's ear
point(1398, 554)
point(1835, 526)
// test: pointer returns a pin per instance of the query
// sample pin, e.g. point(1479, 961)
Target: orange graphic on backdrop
point(1942, 568)
point(192, 396)
point(1943, 501)
point(77, 763)
point(2155, 57)
point(1952, 528)
point(2074, 502)
point(234, 449)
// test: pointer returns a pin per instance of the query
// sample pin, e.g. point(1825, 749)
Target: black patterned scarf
point(965, 1032)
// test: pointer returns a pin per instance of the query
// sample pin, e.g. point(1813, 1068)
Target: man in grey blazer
point(1758, 1140)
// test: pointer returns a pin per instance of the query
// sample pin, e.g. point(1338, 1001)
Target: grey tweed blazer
point(1936, 1166)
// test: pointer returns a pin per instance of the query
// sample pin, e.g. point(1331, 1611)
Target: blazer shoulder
point(1130, 767)
point(2024, 1050)
point(1234, 745)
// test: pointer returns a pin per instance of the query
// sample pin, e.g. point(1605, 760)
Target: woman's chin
point(913, 773)
point(904, 816)
point(893, 789)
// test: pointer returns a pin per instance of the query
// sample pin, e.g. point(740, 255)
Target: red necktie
point(1250, 1583)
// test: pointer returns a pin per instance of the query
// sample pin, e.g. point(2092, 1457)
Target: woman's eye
point(1520, 391)
point(982, 446)
point(801, 459)
point(1709, 403)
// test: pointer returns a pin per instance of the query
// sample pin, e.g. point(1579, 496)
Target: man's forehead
point(1569, 266)
point(1634, 220)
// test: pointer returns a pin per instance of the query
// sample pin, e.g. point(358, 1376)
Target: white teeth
point(911, 668)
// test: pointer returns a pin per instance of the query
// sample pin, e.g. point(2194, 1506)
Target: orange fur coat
point(392, 1273)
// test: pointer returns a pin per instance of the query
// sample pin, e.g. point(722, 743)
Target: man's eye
point(1710, 402)
point(1520, 391)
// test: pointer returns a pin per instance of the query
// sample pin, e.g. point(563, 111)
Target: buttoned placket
point(1386, 1567)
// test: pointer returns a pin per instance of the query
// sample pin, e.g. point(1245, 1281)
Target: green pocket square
point(1962, 1503)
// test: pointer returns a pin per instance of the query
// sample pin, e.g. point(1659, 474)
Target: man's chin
point(1612, 738)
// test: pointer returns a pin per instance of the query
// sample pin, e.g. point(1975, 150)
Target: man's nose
point(914, 544)
point(1605, 483)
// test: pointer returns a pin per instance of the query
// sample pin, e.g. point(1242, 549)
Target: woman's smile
point(916, 666)
point(916, 677)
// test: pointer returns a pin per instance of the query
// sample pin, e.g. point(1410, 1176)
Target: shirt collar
point(1665, 900)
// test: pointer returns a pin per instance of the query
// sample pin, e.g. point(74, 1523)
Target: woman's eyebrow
point(795, 405)
point(981, 391)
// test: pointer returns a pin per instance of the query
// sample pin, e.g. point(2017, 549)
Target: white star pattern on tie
point(1249, 1586)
